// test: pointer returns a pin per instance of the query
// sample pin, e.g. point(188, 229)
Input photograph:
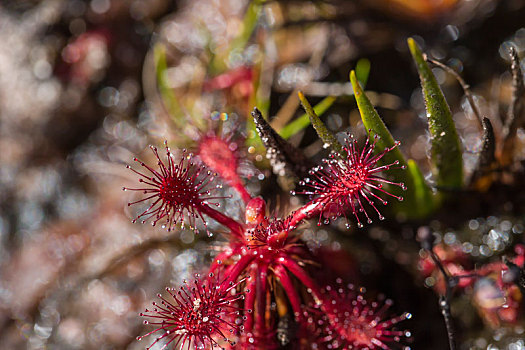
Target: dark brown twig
point(426, 239)
point(487, 155)
point(444, 300)
point(515, 112)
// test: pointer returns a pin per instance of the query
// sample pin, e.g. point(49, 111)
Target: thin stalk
point(234, 226)
point(444, 300)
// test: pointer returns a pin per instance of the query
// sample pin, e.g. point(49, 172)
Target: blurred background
point(87, 85)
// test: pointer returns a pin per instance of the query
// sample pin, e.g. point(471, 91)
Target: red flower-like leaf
point(200, 315)
point(177, 189)
point(348, 320)
point(345, 183)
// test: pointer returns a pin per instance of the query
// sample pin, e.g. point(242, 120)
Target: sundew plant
point(275, 175)
point(270, 274)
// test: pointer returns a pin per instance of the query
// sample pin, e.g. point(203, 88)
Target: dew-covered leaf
point(446, 148)
point(373, 122)
point(326, 135)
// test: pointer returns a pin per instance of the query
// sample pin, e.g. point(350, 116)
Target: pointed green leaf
point(446, 149)
point(303, 121)
point(373, 122)
point(362, 70)
point(326, 135)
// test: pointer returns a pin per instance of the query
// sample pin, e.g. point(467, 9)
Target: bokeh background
point(83, 89)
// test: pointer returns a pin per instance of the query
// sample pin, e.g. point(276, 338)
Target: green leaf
point(249, 23)
point(424, 200)
point(362, 70)
point(375, 124)
point(446, 149)
point(326, 135)
point(167, 95)
point(303, 121)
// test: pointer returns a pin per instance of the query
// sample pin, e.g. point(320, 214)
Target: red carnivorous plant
point(346, 183)
point(199, 314)
point(265, 259)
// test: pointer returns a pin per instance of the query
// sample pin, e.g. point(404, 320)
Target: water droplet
point(215, 115)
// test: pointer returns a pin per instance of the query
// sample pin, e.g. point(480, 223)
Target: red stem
point(235, 270)
point(249, 304)
point(298, 272)
point(222, 257)
point(306, 212)
point(238, 185)
point(262, 282)
point(287, 284)
point(234, 226)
